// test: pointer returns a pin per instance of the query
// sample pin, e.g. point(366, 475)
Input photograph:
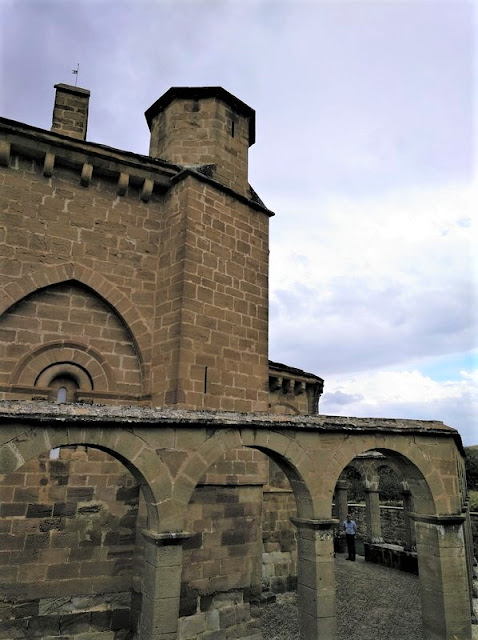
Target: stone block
point(215, 635)
point(312, 627)
point(7, 510)
point(316, 604)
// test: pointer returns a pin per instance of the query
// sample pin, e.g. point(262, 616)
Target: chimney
point(70, 113)
point(204, 126)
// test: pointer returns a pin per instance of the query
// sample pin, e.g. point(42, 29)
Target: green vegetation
point(471, 468)
point(473, 500)
point(390, 486)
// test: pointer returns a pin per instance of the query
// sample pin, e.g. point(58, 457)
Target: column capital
point(163, 538)
point(452, 519)
point(305, 523)
point(342, 485)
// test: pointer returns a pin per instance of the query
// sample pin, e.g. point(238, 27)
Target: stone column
point(410, 542)
point(341, 501)
point(163, 555)
point(372, 514)
point(316, 578)
point(443, 577)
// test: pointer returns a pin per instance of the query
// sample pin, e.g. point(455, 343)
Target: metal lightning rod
point(75, 72)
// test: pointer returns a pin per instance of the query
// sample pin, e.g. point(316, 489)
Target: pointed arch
point(47, 276)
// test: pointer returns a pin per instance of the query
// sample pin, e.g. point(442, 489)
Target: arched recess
point(282, 449)
point(99, 285)
point(143, 464)
point(72, 311)
point(39, 367)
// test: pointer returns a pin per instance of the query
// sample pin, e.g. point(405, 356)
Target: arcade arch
point(170, 452)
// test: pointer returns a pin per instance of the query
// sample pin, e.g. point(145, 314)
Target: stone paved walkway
point(373, 603)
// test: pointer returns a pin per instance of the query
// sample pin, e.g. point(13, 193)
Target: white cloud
point(407, 394)
point(372, 282)
point(366, 292)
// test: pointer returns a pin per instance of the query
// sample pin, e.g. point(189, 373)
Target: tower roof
point(199, 93)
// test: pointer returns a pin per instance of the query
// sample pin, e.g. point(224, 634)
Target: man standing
point(350, 530)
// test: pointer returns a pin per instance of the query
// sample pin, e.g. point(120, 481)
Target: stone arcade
point(133, 338)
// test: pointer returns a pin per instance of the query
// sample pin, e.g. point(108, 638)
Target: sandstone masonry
point(159, 474)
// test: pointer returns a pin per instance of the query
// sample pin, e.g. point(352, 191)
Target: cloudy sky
point(365, 151)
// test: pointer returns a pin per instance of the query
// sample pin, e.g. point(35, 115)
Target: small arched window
point(63, 389)
point(61, 395)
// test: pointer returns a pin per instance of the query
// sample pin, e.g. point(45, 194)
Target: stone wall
point(72, 548)
point(68, 533)
point(391, 519)
point(221, 579)
point(210, 342)
point(177, 260)
point(34, 324)
point(279, 556)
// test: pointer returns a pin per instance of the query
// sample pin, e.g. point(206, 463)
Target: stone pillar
point(316, 578)
point(163, 556)
point(341, 501)
point(372, 513)
point(410, 543)
point(443, 577)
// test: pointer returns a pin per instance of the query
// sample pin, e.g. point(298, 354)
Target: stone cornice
point(56, 149)
point(46, 412)
point(89, 158)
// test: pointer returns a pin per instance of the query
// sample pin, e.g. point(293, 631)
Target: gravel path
point(373, 603)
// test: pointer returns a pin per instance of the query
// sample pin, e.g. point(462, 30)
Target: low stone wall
point(224, 615)
point(392, 556)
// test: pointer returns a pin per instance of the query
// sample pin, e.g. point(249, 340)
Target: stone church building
point(159, 475)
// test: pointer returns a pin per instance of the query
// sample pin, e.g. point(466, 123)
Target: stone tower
point(210, 340)
point(199, 126)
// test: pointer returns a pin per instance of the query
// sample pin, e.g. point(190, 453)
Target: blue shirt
point(350, 527)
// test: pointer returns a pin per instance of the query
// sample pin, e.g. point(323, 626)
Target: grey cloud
point(356, 327)
point(332, 83)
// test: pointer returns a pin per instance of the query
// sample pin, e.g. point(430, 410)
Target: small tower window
point(232, 128)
